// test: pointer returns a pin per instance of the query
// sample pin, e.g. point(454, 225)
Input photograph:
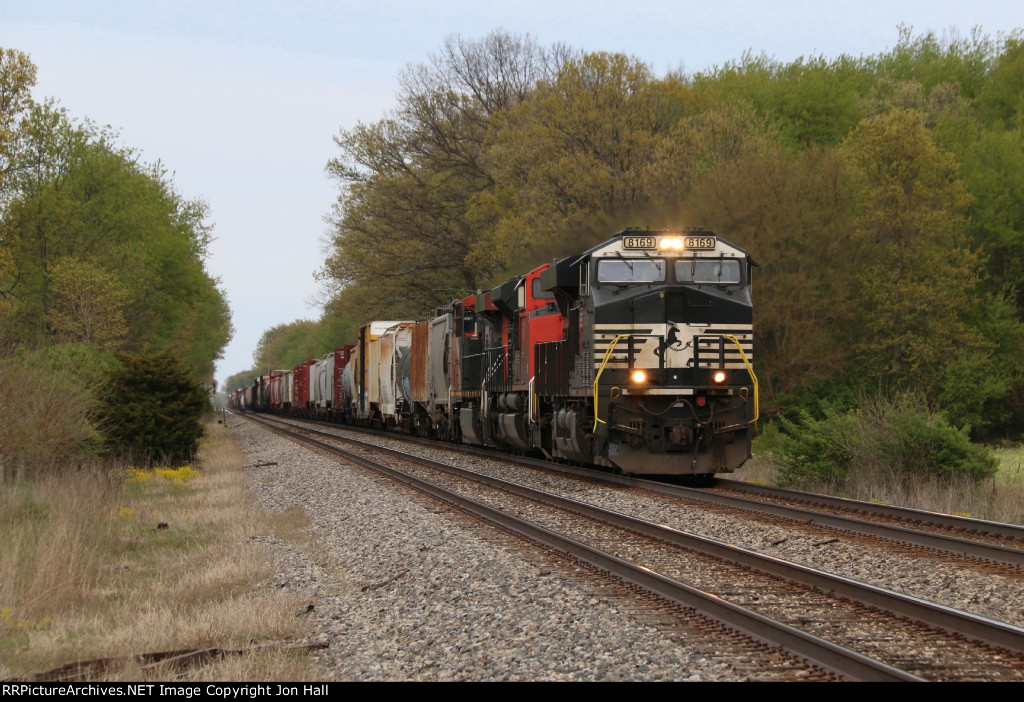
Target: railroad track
point(1011, 536)
point(857, 630)
point(990, 546)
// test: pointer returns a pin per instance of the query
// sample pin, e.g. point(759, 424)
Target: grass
point(1000, 498)
point(88, 570)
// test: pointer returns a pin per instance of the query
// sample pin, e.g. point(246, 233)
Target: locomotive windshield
point(717, 271)
point(631, 270)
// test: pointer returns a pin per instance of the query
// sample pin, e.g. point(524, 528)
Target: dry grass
point(46, 415)
point(87, 573)
point(1000, 498)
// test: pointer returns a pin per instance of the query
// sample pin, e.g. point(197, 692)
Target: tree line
point(882, 197)
point(101, 259)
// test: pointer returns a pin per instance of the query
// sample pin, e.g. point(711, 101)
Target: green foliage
point(151, 410)
point(335, 330)
point(239, 380)
point(931, 60)
point(793, 212)
point(810, 101)
point(993, 171)
point(898, 437)
point(812, 399)
point(820, 449)
point(17, 76)
point(976, 389)
point(87, 307)
point(915, 275)
point(578, 149)
point(89, 365)
point(405, 236)
point(97, 247)
point(287, 345)
point(880, 195)
point(1001, 97)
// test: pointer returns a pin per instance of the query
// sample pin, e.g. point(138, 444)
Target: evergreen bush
point(152, 410)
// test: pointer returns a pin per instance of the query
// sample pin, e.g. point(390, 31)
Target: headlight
point(718, 377)
point(670, 242)
point(638, 377)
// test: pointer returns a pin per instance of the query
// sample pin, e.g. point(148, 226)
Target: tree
point(152, 409)
point(916, 275)
point(287, 345)
point(404, 225)
point(77, 196)
point(17, 76)
point(240, 380)
point(792, 212)
point(809, 101)
point(87, 307)
point(572, 160)
point(1002, 95)
point(47, 411)
point(930, 60)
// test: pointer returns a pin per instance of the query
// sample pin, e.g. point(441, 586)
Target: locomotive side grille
point(715, 351)
point(605, 334)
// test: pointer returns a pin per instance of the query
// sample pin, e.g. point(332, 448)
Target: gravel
point(929, 577)
point(406, 588)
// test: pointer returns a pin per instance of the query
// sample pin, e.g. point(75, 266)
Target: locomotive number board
point(691, 243)
point(639, 242)
point(699, 242)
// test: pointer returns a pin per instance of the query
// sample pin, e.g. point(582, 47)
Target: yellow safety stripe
point(757, 411)
point(604, 362)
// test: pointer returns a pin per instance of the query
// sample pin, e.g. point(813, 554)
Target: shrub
point(900, 436)
point(816, 448)
point(47, 413)
point(152, 409)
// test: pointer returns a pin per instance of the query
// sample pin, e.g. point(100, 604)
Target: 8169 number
point(639, 242)
point(700, 242)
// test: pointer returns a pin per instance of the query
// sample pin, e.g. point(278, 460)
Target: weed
point(86, 573)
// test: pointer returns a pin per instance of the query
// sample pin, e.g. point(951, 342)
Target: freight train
point(634, 355)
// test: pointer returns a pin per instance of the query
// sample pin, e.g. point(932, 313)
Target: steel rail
point(939, 542)
point(949, 521)
point(820, 651)
point(947, 618)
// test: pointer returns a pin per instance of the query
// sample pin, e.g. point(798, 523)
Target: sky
point(240, 99)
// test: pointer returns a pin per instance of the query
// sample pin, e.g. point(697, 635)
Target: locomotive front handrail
point(604, 362)
point(757, 411)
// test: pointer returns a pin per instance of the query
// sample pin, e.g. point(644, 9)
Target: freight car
point(635, 355)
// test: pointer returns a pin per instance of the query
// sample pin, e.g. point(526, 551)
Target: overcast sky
point(240, 99)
